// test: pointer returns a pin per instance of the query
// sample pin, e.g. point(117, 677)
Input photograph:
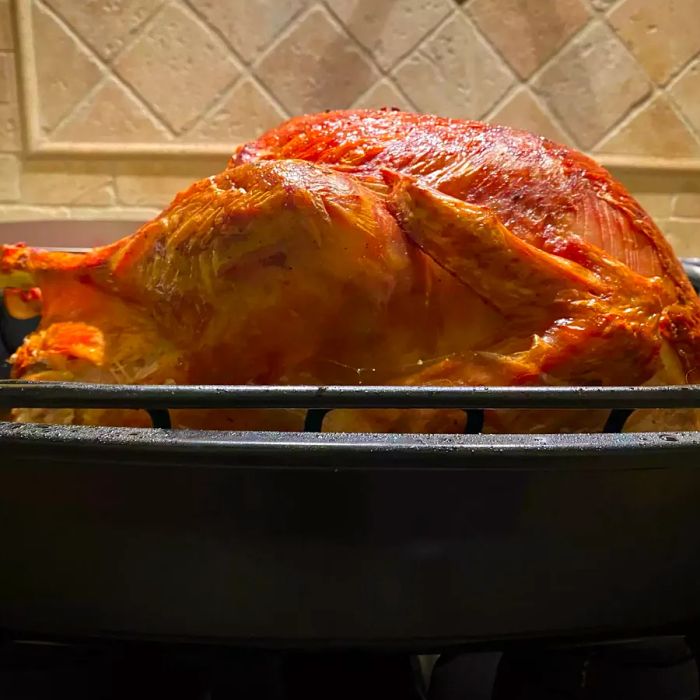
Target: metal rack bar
point(14, 394)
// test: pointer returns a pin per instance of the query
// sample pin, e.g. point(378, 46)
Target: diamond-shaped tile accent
point(244, 114)
point(389, 29)
point(592, 84)
point(316, 66)
point(528, 32)
point(522, 110)
point(383, 94)
point(454, 73)
point(686, 94)
point(61, 83)
point(166, 65)
point(105, 26)
point(111, 115)
point(249, 26)
point(663, 35)
point(655, 131)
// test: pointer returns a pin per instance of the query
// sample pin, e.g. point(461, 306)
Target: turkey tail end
point(16, 268)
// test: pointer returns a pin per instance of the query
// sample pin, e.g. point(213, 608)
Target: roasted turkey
point(373, 247)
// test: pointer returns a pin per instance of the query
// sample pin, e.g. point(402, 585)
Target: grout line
point(677, 108)
point(656, 87)
point(107, 67)
point(681, 116)
point(102, 81)
point(609, 10)
point(214, 105)
point(592, 21)
point(503, 99)
point(217, 100)
point(528, 83)
point(232, 47)
point(513, 74)
point(419, 48)
point(269, 94)
point(383, 73)
point(281, 36)
point(626, 118)
point(138, 31)
point(638, 105)
point(246, 67)
point(91, 56)
point(450, 13)
point(677, 73)
point(544, 106)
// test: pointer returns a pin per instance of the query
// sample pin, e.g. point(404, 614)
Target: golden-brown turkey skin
point(375, 247)
point(541, 191)
point(550, 196)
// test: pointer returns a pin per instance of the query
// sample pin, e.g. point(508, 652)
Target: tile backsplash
point(108, 107)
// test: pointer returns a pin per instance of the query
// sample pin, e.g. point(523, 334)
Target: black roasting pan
point(307, 540)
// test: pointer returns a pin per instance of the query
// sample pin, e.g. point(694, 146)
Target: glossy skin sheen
point(375, 247)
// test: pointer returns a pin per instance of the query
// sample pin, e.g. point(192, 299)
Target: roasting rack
point(316, 539)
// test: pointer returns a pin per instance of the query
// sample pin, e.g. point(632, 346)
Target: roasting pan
point(309, 540)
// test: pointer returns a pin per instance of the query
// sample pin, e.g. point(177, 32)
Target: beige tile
point(389, 29)
point(9, 178)
point(66, 182)
point(6, 28)
point(111, 115)
point(61, 83)
point(7, 78)
point(383, 94)
point(455, 73)
point(249, 26)
point(523, 110)
point(528, 32)
point(245, 113)
point(684, 235)
point(178, 67)
point(656, 204)
point(592, 83)
point(687, 204)
point(156, 184)
point(686, 93)
point(655, 131)
point(316, 66)
point(649, 180)
point(105, 26)
point(10, 136)
point(664, 35)
point(28, 212)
